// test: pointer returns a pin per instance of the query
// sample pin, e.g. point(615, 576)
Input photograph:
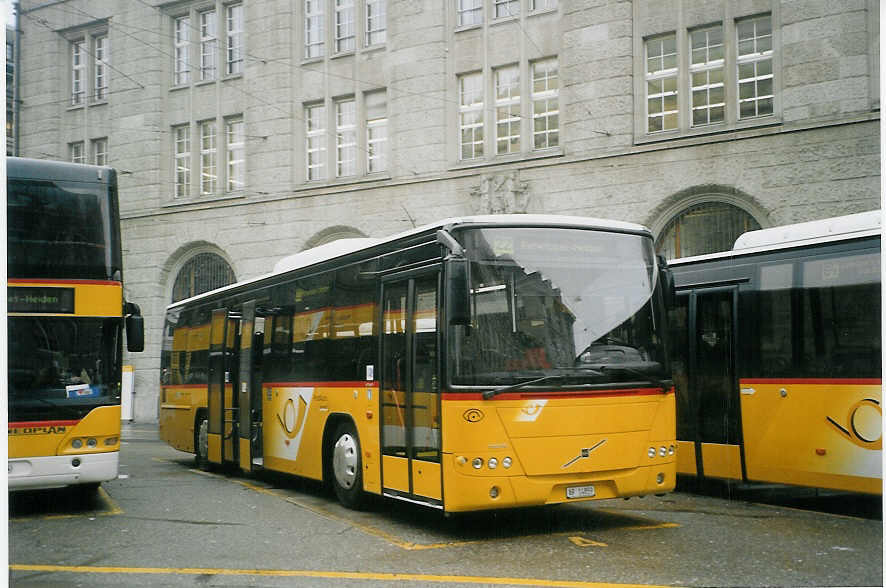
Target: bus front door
point(410, 393)
point(713, 382)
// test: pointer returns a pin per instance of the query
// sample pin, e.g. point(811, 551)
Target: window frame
point(513, 103)
point(376, 146)
point(707, 67)
point(662, 75)
point(77, 152)
point(181, 42)
point(102, 49)
point(375, 35)
point(208, 156)
point(317, 16)
point(345, 137)
point(755, 58)
point(470, 109)
point(315, 141)
point(344, 26)
point(99, 151)
point(78, 71)
point(235, 154)
point(208, 33)
point(234, 54)
point(463, 8)
point(548, 95)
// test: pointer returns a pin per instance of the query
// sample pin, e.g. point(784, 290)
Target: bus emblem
point(473, 415)
point(863, 424)
point(584, 453)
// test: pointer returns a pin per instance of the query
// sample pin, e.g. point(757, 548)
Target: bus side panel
point(841, 446)
point(295, 417)
point(177, 415)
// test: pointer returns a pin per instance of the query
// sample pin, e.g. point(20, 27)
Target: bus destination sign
point(41, 300)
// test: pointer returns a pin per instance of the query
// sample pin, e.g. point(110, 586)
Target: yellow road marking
point(396, 541)
point(113, 509)
point(370, 576)
point(584, 542)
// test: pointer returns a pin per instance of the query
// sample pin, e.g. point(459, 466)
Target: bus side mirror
point(135, 328)
point(458, 294)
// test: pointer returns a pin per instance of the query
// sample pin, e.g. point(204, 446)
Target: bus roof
point(41, 169)
point(838, 228)
point(342, 247)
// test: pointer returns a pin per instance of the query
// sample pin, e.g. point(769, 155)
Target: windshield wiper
point(487, 394)
point(664, 384)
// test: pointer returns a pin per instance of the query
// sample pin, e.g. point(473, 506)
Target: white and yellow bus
point(777, 357)
point(475, 363)
point(66, 316)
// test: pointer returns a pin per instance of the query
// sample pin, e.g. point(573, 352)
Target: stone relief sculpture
point(500, 194)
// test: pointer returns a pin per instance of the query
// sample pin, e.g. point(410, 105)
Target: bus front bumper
point(57, 471)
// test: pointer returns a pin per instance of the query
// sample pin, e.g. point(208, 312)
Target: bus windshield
point(61, 229)
point(62, 368)
point(564, 307)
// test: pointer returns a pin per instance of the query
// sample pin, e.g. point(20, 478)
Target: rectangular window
point(376, 131)
point(345, 138)
point(78, 72)
point(545, 104)
point(506, 8)
point(182, 73)
point(507, 110)
point(77, 153)
point(102, 54)
point(208, 46)
point(470, 115)
point(755, 79)
point(661, 84)
point(469, 12)
point(344, 25)
point(315, 142)
point(208, 154)
point(234, 24)
point(706, 75)
point(315, 31)
point(544, 4)
point(235, 142)
point(376, 21)
point(182, 138)
point(100, 151)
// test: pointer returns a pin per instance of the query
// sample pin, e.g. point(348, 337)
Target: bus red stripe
point(42, 424)
point(561, 394)
point(832, 381)
point(62, 282)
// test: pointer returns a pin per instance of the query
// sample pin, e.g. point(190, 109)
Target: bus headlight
point(91, 443)
point(77, 443)
point(662, 451)
point(477, 463)
point(671, 450)
point(111, 441)
point(492, 463)
point(651, 452)
point(506, 462)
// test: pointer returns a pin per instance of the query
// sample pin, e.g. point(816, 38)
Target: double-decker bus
point(776, 357)
point(64, 324)
point(475, 363)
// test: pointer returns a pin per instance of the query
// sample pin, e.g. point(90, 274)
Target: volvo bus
point(777, 357)
point(475, 363)
point(65, 324)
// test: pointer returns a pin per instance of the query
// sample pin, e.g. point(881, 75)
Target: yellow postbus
point(475, 363)
point(66, 316)
point(777, 357)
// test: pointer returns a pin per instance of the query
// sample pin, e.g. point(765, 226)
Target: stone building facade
point(246, 130)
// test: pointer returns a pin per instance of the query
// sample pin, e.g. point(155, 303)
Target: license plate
point(580, 492)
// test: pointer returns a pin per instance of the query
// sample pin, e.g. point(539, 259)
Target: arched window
point(704, 228)
point(202, 273)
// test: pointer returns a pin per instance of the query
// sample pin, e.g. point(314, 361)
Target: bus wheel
point(347, 478)
point(201, 445)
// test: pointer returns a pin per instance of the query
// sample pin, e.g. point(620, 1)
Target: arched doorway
point(204, 272)
point(706, 227)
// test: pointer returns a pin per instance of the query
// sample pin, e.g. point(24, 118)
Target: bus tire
point(201, 444)
point(347, 466)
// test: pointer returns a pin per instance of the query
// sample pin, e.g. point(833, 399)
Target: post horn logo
point(863, 424)
point(290, 422)
point(473, 415)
